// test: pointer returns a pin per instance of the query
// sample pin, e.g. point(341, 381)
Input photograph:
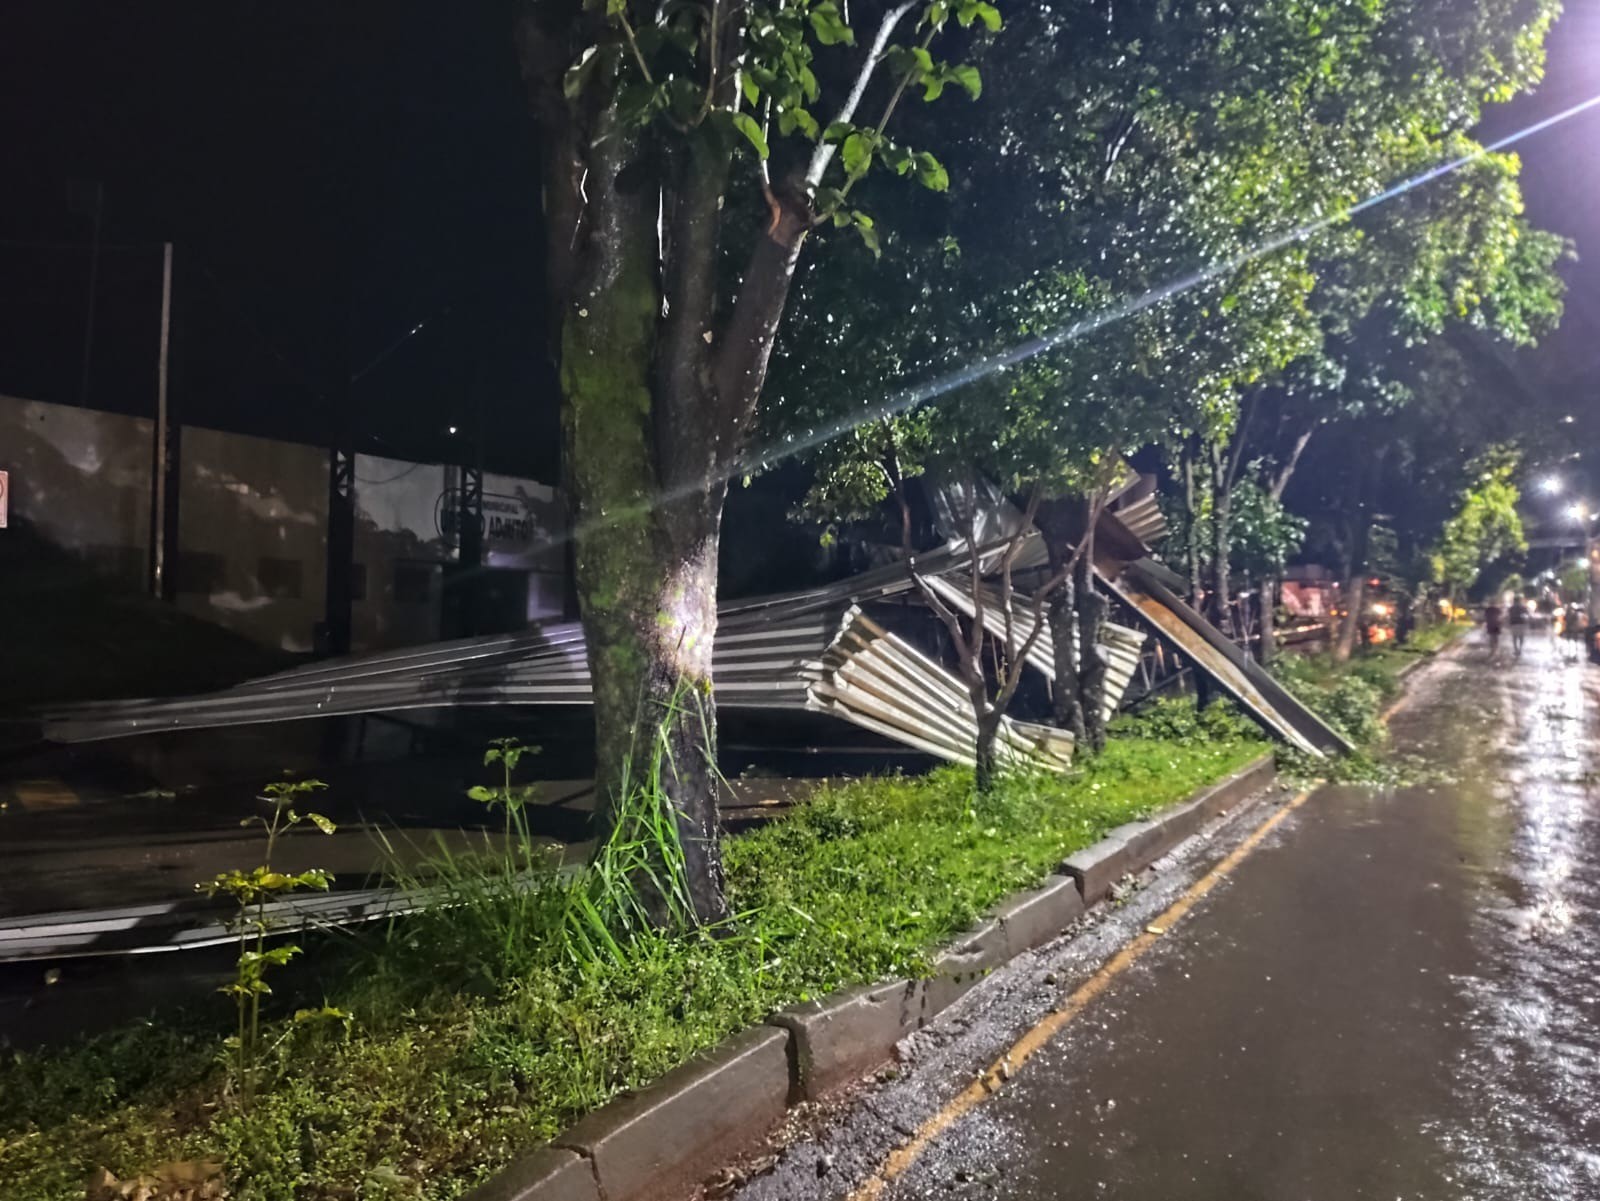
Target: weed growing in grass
point(513, 798)
point(251, 891)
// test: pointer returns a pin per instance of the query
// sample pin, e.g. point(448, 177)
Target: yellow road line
point(903, 1156)
point(43, 794)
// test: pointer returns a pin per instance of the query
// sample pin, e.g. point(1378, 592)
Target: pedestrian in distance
point(1573, 633)
point(1518, 620)
point(1491, 627)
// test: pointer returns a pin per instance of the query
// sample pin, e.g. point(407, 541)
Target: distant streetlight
point(451, 430)
point(1577, 512)
point(1550, 485)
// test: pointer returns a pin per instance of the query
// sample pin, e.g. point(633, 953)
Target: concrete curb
point(663, 1141)
point(548, 1174)
point(839, 1039)
point(1132, 847)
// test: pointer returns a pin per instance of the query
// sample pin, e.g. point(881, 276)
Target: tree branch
point(824, 152)
point(1280, 481)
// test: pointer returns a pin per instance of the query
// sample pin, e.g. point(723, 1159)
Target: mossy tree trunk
point(1068, 706)
point(1092, 608)
point(659, 378)
point(987, 772)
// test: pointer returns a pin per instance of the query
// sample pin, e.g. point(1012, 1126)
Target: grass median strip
point(477, 1036)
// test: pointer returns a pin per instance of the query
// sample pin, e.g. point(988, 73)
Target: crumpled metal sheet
point(882, 683)
point(1119, 646)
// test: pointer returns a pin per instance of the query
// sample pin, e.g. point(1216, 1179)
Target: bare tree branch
point(1280, 479)
point(824, 152)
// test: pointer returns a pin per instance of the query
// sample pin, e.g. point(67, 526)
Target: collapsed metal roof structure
point(818, 650)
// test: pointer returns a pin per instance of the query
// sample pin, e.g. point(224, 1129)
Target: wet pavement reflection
point(1396, 997)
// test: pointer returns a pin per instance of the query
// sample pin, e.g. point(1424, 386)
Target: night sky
point(335, 174)
point(332, 176)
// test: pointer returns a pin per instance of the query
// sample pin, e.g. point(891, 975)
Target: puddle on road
point(1528, 1078)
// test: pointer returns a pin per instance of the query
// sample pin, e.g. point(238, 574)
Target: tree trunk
point(1221, 590)
point(1092, 674)
point(646, 569)
point(660, 377)
point(1062, 523)
point(1269, 616)
point(1197, 591)
point(1355, 590)
point(1068, 707)
point(987, 773)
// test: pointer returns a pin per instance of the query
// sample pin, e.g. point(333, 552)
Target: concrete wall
point(400, 556)
point(252, 522)
point(82, 479)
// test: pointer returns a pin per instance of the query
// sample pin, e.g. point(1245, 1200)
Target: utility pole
point(161, 459)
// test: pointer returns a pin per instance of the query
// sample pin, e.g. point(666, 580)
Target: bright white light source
point(452, 429)
point(1550, 485)
point(1577, 512)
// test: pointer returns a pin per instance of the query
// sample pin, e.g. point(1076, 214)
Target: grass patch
point(469, 1046)
point(1351, 697)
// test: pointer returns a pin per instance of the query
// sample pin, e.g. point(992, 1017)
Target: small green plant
point(1180, 720)
point(251, 891)
point(513, 798)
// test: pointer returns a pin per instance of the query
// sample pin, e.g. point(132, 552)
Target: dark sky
point(332, 176)
point(336, 172)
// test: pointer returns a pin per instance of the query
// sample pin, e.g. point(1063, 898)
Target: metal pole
point(158, 467)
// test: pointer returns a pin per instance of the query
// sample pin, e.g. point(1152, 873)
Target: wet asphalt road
point(1395, 997)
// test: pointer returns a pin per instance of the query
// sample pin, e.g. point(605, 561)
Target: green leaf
point(838, 132)
point(921, 58)
point(321, 823)
point(857, 154)
point(615, 8)
point(791, 119)
point(931, 173)
point(869, 236)
point(479, 793)
point(328, 1013)
point(827, 200)
point(897, 158)
point(967, 76)
point(752, 92)
point(746, 124)
point(830, 30)
point(637, 102)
